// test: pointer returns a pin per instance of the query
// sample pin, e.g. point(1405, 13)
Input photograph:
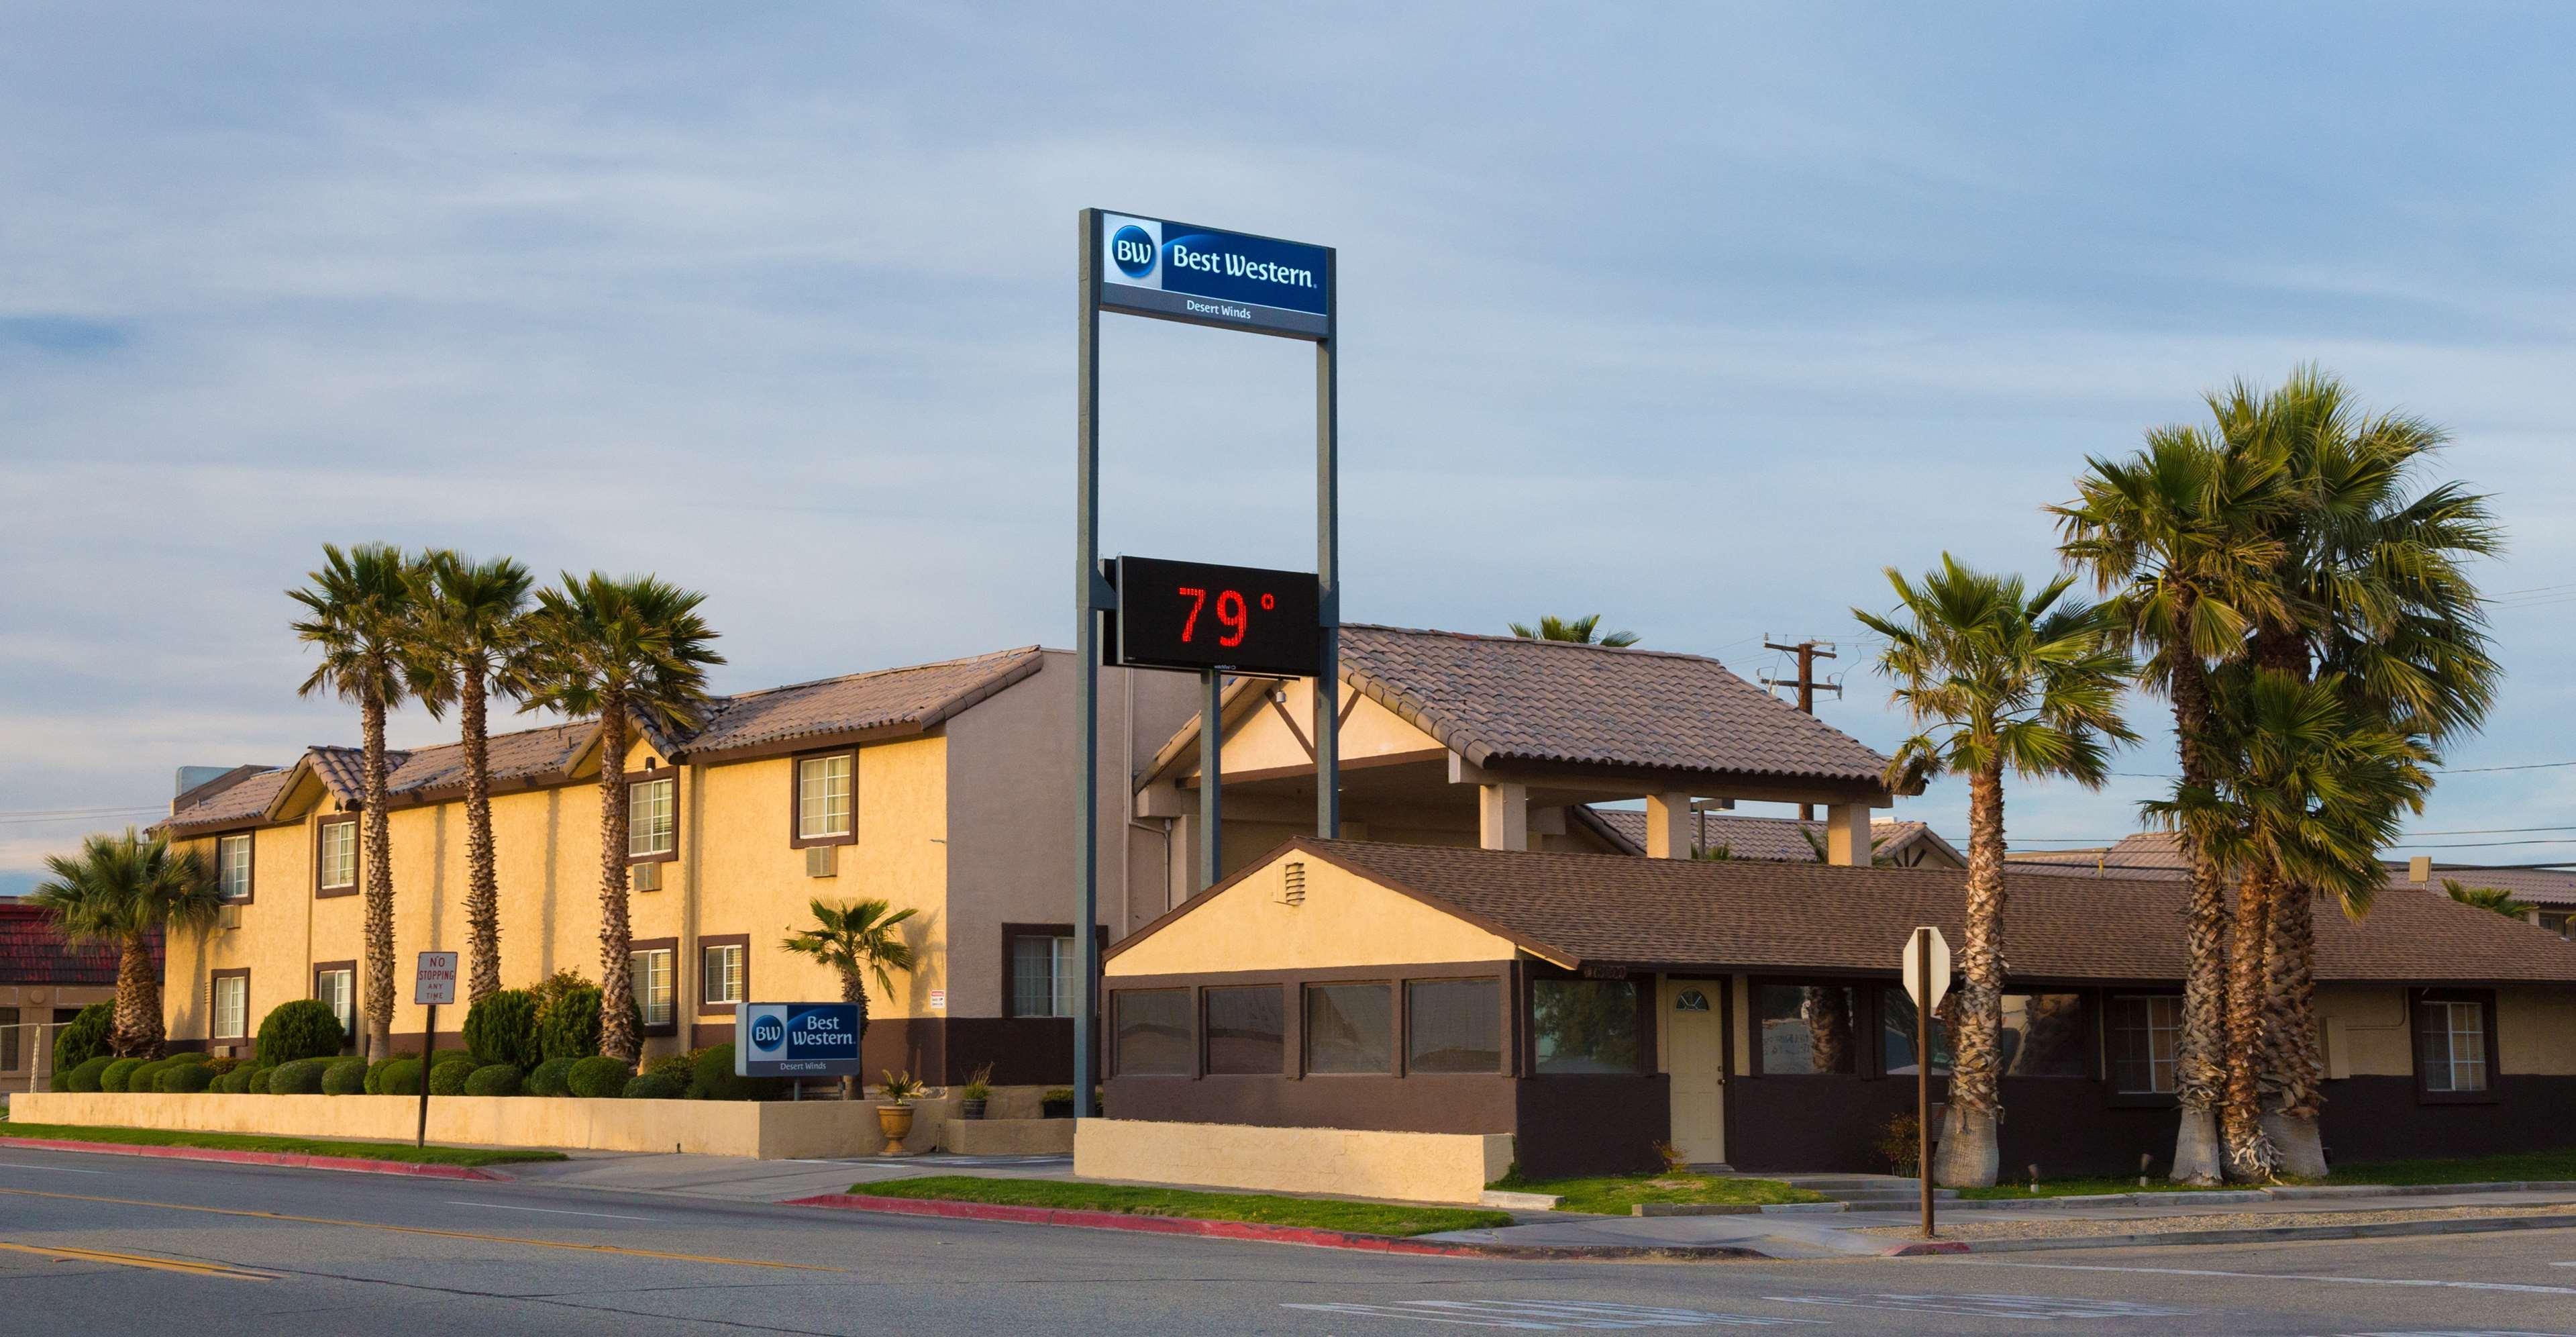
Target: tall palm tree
point(359, 614)
point(2004, 678)
point(856, 940)
point(120, 891)
point(625, 650)
point(469, 640)
point(2179, 536)
point(1584, 630)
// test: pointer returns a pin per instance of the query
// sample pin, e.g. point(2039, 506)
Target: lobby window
point(1046, 977)
point(823, 797)
point(1152, 1032)
point(1247, 1031)
point(336, 859)
point(1350, 1028)
point(2146, 1034)
point(652, 974)
point(1584, 1026)
point(720, 973)
point(2043, 1035)
point(653, 818)
point(2451, 1043)
point(1808, 1029)
point(1453, 1026)
point(336, 987)
point(1896, 1036)
point(231, 1005)
point(232, 867)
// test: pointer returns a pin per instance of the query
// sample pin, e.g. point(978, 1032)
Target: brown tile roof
point(1777, 839)
point(2158, 854)
point(1742, 915)
point(31, 952)
point(1502, 698)
point(243, 803)
point(917, 697)
point(526, 754)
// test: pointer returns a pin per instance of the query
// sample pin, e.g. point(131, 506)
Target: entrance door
point(1694, 1060)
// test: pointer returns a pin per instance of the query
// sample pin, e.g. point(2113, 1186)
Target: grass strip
point(1613, 1195)
point(2510, 1168)
point(364, 1151)
point(2086, 1188)
point(1364, 1218)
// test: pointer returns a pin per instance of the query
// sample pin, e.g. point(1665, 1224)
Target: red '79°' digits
point(1198, 600)
point(1231, 612)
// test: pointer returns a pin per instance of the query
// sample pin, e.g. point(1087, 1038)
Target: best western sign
point(1180, 271)
point(795, 1039)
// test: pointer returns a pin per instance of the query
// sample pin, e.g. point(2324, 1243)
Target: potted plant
point(1056, 1103)
point(894, 1117)
point(977, 1090)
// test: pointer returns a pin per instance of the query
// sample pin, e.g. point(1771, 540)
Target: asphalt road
point(181, 1247)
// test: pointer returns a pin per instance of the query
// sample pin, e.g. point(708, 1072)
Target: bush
point(654, 1086)
point(712, 1079)
point(551, 1078)
point(259, 1082)
point(448, 1079)
point(237, 1081)
point(503, 1029)
point(571, 1025)
point(304, 1028)
point(186, 1078)
point(115, 1075)
point(401, 1077)
point(493, 1079)
point(223, 1065)
point(680, 1068)
point(445, 1057)
point(303, 1077)
point(598, 1078)
point(342, 1076)
point(375, 1073)
point(85, 1077)
point(85, 1038)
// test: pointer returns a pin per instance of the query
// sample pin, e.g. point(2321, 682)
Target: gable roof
point(1777, 839)
point(32, 953)
point(1794, 917)
point(910, 699)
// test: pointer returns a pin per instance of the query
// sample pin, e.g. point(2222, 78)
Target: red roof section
point(32, 953)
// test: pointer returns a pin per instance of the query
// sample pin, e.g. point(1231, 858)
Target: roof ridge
point(882, 672)
point(1530, 640)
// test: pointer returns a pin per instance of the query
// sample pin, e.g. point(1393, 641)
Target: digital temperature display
point(1193, 615)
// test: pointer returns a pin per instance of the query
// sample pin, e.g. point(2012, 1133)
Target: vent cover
point(1295, 893)
point(647, 876)
point(822, 861)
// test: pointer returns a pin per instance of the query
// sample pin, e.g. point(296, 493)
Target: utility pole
point(1808, 652)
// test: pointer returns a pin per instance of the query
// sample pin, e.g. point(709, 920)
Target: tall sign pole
point(1328, 572)
point(1092, 599)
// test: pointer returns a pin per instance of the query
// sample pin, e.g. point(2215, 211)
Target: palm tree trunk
point(378, 857)
point(482, 878)
point(2298, 1074)
point(854, 990)
point(135, 1031)
point(2200, 1059)
point(1967, 1157)
point(2251, 1157)
point(617, 1037)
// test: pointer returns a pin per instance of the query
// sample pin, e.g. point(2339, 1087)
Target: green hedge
point(678, 1067)
point(84, 1039)
point(342, 1076)
point(448, 1079)
point(85, 1077)
point(186, 1078)
point(653, 1086)
point(493, 1079)
point(598, 1078)
point(714, 1079)
point(503, 1029)
point(551, 1078)
point(118, 1073)
point(302, 1028)
point(303, 1077)
point(400, 1077)
point(258, 1083)
point(571, 1025)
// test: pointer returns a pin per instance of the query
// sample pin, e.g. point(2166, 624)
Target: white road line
point(550, 1211)
point(2282, 1276)
point(57, 1169)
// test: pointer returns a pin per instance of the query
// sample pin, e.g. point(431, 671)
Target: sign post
point(1926, 972)
point(433, 983)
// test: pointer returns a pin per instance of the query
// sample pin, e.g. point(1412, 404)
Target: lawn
point(2552, 1165)
point(368, 1151)
point(1613, 1195)
point(1366, 1218)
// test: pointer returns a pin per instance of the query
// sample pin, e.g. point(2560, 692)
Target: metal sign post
point(1231, 280)
point(1926, 972)
point(433, 983)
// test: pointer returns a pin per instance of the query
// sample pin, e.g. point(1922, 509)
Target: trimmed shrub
point(654, 1086)
point(303, 1077)
point(85, 1077)
point(304, 1028)
point(551, 1078)
point(598, 1078)
point(445, 1057)
point(401, 1077)
point(713, 1079)
point(223, 1065)
point(493, 1079)
point(342, 1076)
point(375, 1073)
point(257, 1084)
point(503, 1029)
point(85, 1038)
point(186, 1078)
point(678, 1067)
point(448, 1079)
point(571, 1025)
point(117, 1074)
point(233, 1083)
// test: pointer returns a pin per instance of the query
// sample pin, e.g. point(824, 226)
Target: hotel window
point(653, 818)
point(2043, 1036)
point(2451, 1043)
point(1583, 1026)
point(1807, 1029)
point(2146, 1034)
point(1453, 1026)
point(336, 862)
point(823, 797)
point(231, 1005)
point(1896, 1036)
point(336, 987)
point(1046, 977)
point(2560, 922)
point(1247, 1031)
point(652, 971)
point(1153, 1032)
point(232, 867)
point(1350, 1028)
point(720, 973)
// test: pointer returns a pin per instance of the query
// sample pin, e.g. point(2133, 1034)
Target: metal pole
point(428, 1050)
point(1923, 1071)
point(1086, 650)
point(1211, 778)
point(1328, 568)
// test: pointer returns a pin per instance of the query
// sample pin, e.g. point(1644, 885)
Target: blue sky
point(1694, 316)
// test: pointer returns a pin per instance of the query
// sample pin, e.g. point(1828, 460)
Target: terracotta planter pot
point(895, 1121)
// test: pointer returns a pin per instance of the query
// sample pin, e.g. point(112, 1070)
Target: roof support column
point(1502, 816)
point(1847, 835)
point(1668, 826)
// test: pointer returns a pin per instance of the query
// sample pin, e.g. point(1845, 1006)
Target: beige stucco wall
point(2536, 1032)
point(1345, 921)
point(1417, 1167)
point(2365, 1031)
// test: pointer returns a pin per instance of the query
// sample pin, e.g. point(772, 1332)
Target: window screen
point(721, 974)
point(1045, 977)
point(1350, 1028)
point(1247, 1031)
point(1153, 1032)
point(1581, 1026)
point(1453, 1026)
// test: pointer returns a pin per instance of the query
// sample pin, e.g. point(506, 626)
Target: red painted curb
point(1247, 1230)
point(297, 1160)
point(1924, 1248)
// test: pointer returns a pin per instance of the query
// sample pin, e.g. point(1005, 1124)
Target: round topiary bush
point(654, 1086)
point(85, 1038)
point(257, 1084)
point(303, 1077)
point(448, 1079)
point(186, 1078)
point(598, 1078)
point(144, 1076)
point(400, 1077)
point(223, 1065)
point(551, 1078)
point(493, 1079)
point(304, 1028)
point(85, 1077)
point(713, 1079)
point(342, 1076)
point(571, 1025)
point(117, 1073)
point(503, 1029)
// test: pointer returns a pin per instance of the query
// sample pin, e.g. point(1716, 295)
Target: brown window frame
point(1404, 1024)
point(1196, 1066)
point(636, 947)
point(321, 968)
point(706, 1006)
point(634, 778)
point(1289, 1033)
point(1395, 1026)
point(357, 857)
point(250, 877)
point(249, 1031)
point(796, 837)
point(2485, 999)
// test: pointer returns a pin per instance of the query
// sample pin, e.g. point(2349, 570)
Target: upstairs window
point(721, 973)
point(652, 818)
point(823, 797)
point(232, 867)
point(337, 859)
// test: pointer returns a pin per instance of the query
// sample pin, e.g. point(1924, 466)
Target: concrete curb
point(295, 1160)
point(2282, 1193)
point(1268, 1234)
point(2473, 1225)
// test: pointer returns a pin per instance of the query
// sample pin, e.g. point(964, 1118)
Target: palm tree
point(856, 940)
point(1581, 631)
point(120, 891)
point(2178, 536)
point(470, 639)
point(2497, 899)
point(625, 650)
point(2004, 678)
point(360, 613)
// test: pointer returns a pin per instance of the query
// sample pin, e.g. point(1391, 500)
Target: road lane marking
point(1548, 1315)
point(2280, 1276)
point(1989, 1305)
point(65, 1253)
point(57, 1169)
point(551, 1211)
point(424, 1230)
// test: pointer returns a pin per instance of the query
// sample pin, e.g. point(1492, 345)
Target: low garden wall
point(1415, 1167)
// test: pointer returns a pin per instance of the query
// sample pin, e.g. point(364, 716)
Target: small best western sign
point(796, 1039)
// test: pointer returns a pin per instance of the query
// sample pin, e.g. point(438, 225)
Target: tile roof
point(1773, 838)
point(2158, 854)
point(1746, 914)
point(1502, 698)
point(241, 804)
point(32, 953)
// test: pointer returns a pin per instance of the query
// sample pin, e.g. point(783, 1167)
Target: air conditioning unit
point(647, 876)
point(228, 917)
point(822, 861)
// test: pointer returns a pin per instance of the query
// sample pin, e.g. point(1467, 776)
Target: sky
point(1696, 316)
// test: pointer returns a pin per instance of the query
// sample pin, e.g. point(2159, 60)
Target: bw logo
point(1133, 251)
point(768, 1033)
